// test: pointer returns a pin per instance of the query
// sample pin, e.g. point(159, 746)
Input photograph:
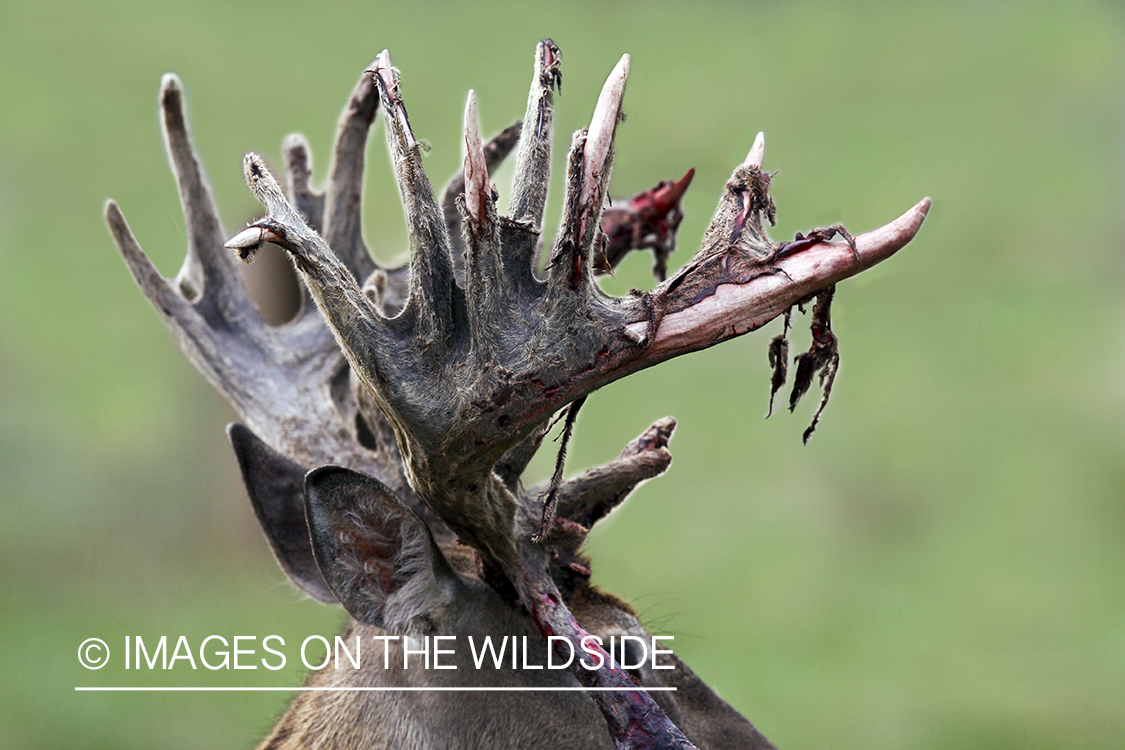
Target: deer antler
point(439, 378)
point(282, 380)
point(464, 374)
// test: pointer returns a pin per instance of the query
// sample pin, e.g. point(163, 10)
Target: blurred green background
point(941, 566)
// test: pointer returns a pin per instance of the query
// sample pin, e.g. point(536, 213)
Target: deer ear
point(276, 487)
point(376, 554)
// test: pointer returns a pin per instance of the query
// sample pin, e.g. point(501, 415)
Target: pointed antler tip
point(622, 67)
point(888, 239)
point(476, 168)
point(911, 221)
point(603, 126)
point(614, 89)
point(473, 142)
point(757, 153)
point(250, 237)
point(680, 186)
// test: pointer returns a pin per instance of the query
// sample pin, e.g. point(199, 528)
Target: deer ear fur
point(376, 554)
point(276, 487)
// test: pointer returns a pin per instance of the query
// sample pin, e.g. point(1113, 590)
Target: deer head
point(422, 392)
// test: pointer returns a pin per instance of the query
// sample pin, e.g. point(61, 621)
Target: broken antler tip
point(661, 432)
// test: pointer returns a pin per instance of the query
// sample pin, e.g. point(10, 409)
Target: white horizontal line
point(370, 689)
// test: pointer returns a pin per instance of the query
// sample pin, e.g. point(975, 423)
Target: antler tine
point(735, 308)
point(251, 367)
point(477, 190)
point(433, 292)
point(208, 276)
point(757, 152)
point(343, 212)
point(738, 219)
point(592, 495)
point(363, 333)
point(650, 219)
point(496, 150)
point(588, 170)
point(298, 171)
point(598, 153)
point(186, 322)
point(487, 300)
point(533, 161)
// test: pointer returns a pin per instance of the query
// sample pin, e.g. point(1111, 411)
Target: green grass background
point(942, 566)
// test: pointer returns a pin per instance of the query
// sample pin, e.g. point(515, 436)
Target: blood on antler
point(458, 361)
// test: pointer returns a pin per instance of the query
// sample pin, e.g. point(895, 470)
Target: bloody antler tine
point(745, 206)
point(495, 151)
point(671, 195)
point(648, 220)
point(477, 191)
point(588, 170)
point(482, 261)
point(769, 295)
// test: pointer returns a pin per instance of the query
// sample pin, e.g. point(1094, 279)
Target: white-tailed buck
point(388, 424)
